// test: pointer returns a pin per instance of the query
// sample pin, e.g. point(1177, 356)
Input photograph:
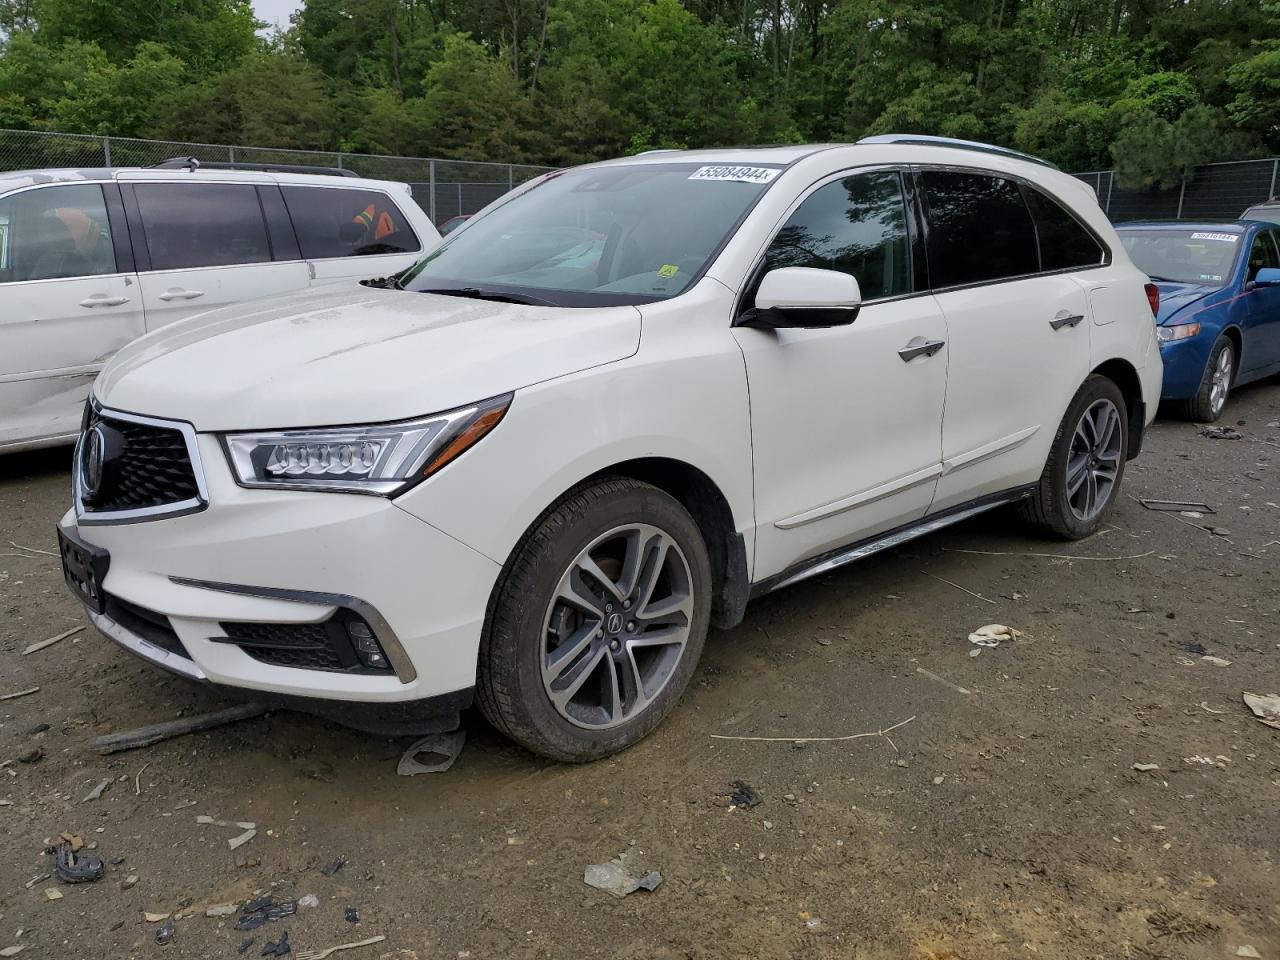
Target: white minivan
point(600, 417)
point(92, 259)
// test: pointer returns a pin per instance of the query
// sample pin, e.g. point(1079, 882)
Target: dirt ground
point(1006, 819)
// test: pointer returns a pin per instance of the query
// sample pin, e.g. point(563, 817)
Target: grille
point(308, 646)
point(151, 626)
point(151, 468)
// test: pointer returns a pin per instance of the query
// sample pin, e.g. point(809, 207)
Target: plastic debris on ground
point(744, 795)
point(615, 877)
point(992, 634)
point(1215, 661)
point(322, 954)
point(308, 901)
point(1177, 506)
point(280, 948)
point(96, 792)
point(265, 910)
point(352, 915)
point(433, 754)
point(1248, 950)
point(333, 866)
point(1146, 767)
point(1222, 433)
point(244, 945)
point(165, 934)
point(1265, 708)
point(12, 951)
point(72, 868)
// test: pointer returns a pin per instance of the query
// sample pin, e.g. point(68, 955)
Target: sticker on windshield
point(738, 174)
point(1224, 237)
point(668, 270)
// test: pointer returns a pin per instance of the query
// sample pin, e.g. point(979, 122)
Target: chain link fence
point(443, 188)
point(1216, 191)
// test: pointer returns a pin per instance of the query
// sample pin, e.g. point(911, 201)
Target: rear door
point(68, 300)
point(1262, 322)
point(1019, 337)
point(350, 233)
point(206, 244)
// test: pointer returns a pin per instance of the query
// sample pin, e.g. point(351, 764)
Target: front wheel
point(1086, 463)
point(598, 622)
point(1215, 384)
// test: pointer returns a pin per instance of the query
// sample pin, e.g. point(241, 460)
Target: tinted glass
point(1182, 256)
point(331, 222)
point(979, 229)
point(629, 233)
point(1262, 254)
point(55, 232)
point(202, 224)
point(1271, 214)
point(1064, 242)
point(857, 225)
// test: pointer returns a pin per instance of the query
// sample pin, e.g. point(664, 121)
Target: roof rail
point(925, 141)
point(192, 163)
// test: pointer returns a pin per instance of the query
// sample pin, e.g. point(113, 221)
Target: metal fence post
point(231, 154)
point(431, 180)
point(1181, 194)
point(1111, 182)
point(511, 178)
point(106, 154)
point(339, 161)
point(1272, 192)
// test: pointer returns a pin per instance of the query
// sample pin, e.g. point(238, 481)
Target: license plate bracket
point(84, 567)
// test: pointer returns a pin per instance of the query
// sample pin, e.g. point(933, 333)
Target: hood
point(354, 354)
point(1175, 297)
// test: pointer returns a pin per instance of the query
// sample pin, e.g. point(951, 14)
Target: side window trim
point(120, 242)
point(1107, 259)
point(281, 235)
point(137, 238)
point(746, 297)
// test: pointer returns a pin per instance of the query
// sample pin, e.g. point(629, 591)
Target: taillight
point(1153, 298)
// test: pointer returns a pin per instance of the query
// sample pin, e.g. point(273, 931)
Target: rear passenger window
point(858, 226)
point(979, 229)
point(1064, 242)
point(202, 224)
point(336, 222)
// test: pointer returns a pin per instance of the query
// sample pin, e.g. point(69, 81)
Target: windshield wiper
point(391, 282)
point(475, 293)
point(1152, 276)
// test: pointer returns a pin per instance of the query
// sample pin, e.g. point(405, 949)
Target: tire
point(615, 671)
point(1215, 385)
point(1060, 507)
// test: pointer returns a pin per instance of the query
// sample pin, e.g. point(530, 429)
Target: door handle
point(920, 347)
point(103, 300)
point(177, 293)
point(1065, 318)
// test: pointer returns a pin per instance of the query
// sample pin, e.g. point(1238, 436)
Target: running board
point(825, 562)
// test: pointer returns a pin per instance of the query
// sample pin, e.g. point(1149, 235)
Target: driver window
point(1261, 254)
point(857, 225)
point(55, 232)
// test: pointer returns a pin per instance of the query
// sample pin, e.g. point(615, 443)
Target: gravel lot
point(1006, 819)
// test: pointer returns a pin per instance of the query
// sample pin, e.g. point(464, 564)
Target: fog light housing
point(366, 646)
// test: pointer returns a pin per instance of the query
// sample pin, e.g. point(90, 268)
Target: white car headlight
point(382, 459)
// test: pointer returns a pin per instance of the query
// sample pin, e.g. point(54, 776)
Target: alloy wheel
point(617, 626)
point(1093, 463)
point(1220, 382)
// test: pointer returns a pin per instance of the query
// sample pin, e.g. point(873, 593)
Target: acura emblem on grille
point(92, 456)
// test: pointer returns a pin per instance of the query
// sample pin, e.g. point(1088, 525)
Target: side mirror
point(1267, 277)
point(805, 297)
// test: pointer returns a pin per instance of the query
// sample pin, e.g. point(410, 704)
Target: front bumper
point(288, 557)
point(1184, 363)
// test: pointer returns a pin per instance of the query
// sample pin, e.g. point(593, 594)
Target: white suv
point(601, 416)
point(91, 259)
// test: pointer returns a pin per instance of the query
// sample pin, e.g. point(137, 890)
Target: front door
point(1262, 320)
point(846, 421)
point(66, 306)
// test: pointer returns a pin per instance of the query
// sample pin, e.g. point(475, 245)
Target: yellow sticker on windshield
point(668, 270)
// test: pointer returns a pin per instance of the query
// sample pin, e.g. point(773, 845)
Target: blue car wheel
point(1208, 402)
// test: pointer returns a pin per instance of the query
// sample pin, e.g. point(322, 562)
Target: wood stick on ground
point(52, 640)
point(137, 780)
point(145, 736)
point(1049, 556)
point(855, 736)
point(20, 693)
point(32, 549)
point(958, 587)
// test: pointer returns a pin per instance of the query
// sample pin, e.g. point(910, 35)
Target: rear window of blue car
point(1202, 256)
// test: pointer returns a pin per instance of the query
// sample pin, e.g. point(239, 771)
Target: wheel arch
point(1125, 376)
point(710, 509)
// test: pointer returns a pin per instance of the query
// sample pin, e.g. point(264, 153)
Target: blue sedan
point(1218, 320)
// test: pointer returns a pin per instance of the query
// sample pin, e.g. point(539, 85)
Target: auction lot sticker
point(1224, 237)
point(738, 174)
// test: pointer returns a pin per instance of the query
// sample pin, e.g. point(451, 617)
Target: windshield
point(597, 237)
point(1182, 256)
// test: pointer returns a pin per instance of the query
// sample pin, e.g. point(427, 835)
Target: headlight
point(382, 459)
point(1177, 332)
